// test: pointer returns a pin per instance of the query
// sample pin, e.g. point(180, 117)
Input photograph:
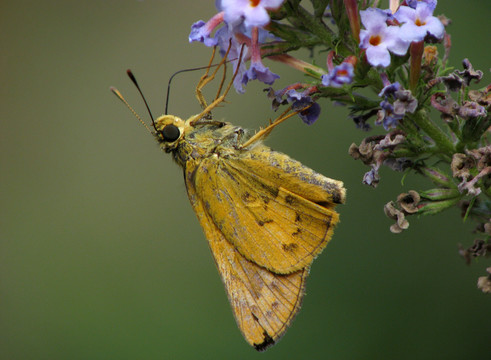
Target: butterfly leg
point(288, 113)
point(205, 79)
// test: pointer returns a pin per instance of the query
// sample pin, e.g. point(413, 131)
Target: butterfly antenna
point(182, 71)
point(133, 79)
point(120, 97)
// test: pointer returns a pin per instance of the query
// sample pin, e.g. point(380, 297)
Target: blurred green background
point(101, 256)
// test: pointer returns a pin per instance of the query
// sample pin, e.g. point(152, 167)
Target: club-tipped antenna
point(133, 79)
point(120, 97)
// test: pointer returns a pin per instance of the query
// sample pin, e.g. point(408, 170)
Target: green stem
point(422, 119)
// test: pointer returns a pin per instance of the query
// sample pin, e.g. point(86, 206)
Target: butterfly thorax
point(195, 140)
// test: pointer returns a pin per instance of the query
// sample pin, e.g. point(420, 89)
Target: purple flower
point(340, 75)
point(389, 90)
point(251, 12)
point(276, 97)
point(378, 38)
point(200, 31)
point(414, 3)
point(419, 22)
point(386, 116)
point(301, 100)
point(372, 177)
point(258, 71)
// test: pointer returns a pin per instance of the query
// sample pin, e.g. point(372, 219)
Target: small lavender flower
point(258, 71)
point(405, 102)
point(276, 97)
point(340, 75)
point(419, 22)
point(389, 90)
point(251, 13)
point(371, 178)
point(201, 31)
point(301, 100)
point(386, 116)
point(413, 3)
point(379, 38)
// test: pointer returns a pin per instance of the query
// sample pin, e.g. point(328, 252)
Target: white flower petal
point(378, 56)
point(405, 14)
point(372, 18)
point(435, 27)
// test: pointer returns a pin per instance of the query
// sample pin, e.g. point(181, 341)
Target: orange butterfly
point(265, 215)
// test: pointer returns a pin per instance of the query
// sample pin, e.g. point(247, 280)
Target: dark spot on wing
point(274, 286)
point(298, 218)
point(265, 199)
point(246, 197)
point(262, 222)
point(289, 199)
point(267, 342)
point(289, 247)
point(297, 232)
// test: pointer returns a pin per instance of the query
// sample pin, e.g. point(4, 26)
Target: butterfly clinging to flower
point(266, 216)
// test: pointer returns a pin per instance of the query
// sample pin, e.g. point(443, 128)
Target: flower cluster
point(431, 121)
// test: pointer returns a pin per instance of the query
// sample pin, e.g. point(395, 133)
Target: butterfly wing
point(276, 212)
point(264, 303)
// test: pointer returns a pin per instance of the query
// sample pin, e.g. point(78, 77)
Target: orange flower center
point(375, 40)
point(418, 22)
point(254, 3)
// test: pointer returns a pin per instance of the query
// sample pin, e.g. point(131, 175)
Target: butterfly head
point(169, 130)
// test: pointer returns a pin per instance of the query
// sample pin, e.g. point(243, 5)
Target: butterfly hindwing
point(264, 303)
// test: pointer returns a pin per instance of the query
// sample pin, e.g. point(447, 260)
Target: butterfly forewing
point(268, 224)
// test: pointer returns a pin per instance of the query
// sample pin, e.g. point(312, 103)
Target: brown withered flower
point(469, 73)
point(471, 109)
point(409, 201)
point(461, 165)
point(482, 97)
point(366, 152)
point(430, 55)
point(484, 282)
point(393, 213)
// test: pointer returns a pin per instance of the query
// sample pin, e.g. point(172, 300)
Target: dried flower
point(484, 282)
point(393, 213)
point(469, 73)
point(409, 201)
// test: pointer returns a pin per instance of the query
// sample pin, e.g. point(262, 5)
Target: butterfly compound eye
point(170, 133)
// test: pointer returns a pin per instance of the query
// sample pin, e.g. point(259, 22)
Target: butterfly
point(266, 216)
